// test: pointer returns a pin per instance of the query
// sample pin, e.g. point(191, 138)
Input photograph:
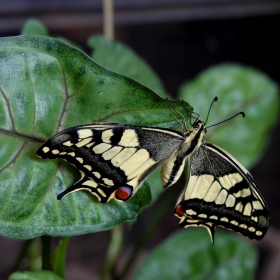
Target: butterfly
point(115, 159)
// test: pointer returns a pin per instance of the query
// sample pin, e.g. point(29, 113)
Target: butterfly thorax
point(194, 137)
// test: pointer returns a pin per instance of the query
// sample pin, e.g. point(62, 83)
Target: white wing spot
point(214, 217)
point(101, 192)
point(257, 205)
point(254, 219)
point(258, 233)
point(129, 138)
point(55, 152)
point(239, 207)
point(252, 229)
point(202, 186)
point(90, 183)
point(234, 223)
point(230, 201)
point(46, 149)
point(96, 174)
point(221, 197)
point(79, 159)
point(146, 165)
point(84, 133)
point(71, 154)
point(101, 148)
point(88, 167)
point(108, 182)
point(191, 212)
point(90, 144)
point(245, 192)
point(224, 219)
point(243, 226)
point(111, 153)
point(83, 142)
point(191, 185)
point(106, 135)
point(204, 216)
point(68, 143)
point(135, 161)
point(122, 156)
point(248, 209)
point(213, 192)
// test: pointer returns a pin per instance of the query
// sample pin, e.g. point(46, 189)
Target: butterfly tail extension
point(102, 192)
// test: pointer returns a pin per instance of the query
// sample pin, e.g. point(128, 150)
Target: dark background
point(178, 39)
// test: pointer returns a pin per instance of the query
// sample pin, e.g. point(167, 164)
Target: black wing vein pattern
point(111, 156)
point(221, 192)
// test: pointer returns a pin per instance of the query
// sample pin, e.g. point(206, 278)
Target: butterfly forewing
point(113, 159)
point(221, 192)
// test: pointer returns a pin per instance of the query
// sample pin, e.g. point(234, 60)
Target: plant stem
point(108, 19)
point(46, 252)
point(113, 252)
point(59, 256)
point(146, 236)
point(22, 254)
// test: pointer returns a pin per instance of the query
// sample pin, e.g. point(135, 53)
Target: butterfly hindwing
point(113, 159)
point(221, 192)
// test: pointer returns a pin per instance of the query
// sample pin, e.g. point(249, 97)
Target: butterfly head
point(199, 125)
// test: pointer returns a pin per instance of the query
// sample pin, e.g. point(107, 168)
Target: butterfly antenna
point(240, 113)
point(214, 100)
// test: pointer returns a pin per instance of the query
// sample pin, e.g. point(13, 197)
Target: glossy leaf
point(239, 88)
point(189, 254)
point(35, 275)
point(120, 58)
point(47, 86)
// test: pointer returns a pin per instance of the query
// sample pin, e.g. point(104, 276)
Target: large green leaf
point(35, 275)
point(47, 86)
point(239, 88)
point(189, 254)
point(120, 58)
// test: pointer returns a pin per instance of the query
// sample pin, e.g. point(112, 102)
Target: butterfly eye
point(179, 210)
point(123, 193)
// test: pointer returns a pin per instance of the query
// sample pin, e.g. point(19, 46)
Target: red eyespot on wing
point(123, 193)
point(179, 210)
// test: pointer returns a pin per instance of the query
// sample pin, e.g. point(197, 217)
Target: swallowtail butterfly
point(114, 160)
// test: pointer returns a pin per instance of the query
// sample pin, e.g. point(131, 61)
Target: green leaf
point(36, 27)
point(188, 254)
point(35, 275)
point(239, 88)
point(120, 58)
point(33, 26)
point(47, 86)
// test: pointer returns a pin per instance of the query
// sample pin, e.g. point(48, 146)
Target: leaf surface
point(120, 58)
point(189, 254)
point(239, 88)
point(45, 87)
